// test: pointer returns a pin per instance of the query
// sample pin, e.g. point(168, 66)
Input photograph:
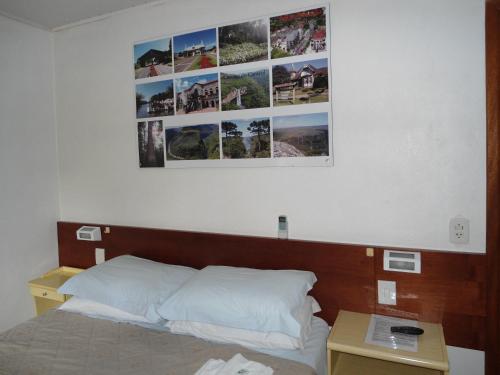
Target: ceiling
point(52, 14)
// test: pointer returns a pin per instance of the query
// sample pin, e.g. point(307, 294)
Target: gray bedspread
point(60, 342)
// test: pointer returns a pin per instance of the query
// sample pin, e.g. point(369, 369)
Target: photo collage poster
point(254, 93)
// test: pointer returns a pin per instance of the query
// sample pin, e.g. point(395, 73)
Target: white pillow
point(135, 285)
point(248, 338)
point(99, 310)
point(244, 298)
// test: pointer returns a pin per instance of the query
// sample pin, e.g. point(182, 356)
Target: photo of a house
point(243, 42)
point(298, 33)
point(245, 89)
point(301, 135)
point(197, 94)
point(242, 139)
point(195, 51)
point(153, 58)
point(150, 140)
point(301, 82)
point(195, 142)
point(154, 99)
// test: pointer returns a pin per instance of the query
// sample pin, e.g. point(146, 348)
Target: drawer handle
point(44, 294)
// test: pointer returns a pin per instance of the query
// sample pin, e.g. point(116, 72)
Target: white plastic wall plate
point(100, 255)
point(459, 230)
point(88, 233)
point(386, 292)
point(402, 261)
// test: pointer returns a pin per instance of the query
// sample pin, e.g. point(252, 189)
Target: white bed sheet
point(314, 352)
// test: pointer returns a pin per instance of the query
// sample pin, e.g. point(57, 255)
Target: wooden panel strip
point(451, 288)
point(493, 185)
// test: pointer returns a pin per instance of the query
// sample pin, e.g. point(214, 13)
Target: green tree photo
point(197, 142)
point(255, 86)
point(261, 140)
point(259, 128)
point(246, 138)
point(232, 142)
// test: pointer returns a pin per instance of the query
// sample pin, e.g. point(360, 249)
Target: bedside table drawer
point(350, 364)
point(44, 293)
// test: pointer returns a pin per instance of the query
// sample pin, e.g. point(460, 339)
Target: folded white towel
point(238, 365)
point(211, 367)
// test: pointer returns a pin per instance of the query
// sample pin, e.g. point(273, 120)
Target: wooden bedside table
point(348, 354)
point(44, 289)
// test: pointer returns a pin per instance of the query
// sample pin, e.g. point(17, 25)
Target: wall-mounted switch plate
point(386, 292)
point(100, 255)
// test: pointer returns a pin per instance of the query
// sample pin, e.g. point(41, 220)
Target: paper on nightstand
point(379, 333)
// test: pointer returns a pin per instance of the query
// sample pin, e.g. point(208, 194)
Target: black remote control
point(407, 330)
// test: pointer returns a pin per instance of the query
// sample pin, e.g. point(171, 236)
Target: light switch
point(386, 292)
point(99, 255)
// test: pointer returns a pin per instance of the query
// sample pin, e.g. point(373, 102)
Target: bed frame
point(450, 290)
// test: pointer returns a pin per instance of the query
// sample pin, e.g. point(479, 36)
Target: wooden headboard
point(343, 271)
point(450, 289)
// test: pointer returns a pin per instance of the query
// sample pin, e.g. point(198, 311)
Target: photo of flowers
point(298, 33)
point(197, 94)
point(155, 99)
point(153, 58)
point(301, 82)
point(301, 135)
point(250, 138)
point(243, 42)
point(150, 137)
point(194, 142)
point(245, 89)
point(195, 51)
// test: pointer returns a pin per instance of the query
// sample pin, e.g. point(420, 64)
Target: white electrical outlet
point(459, 230)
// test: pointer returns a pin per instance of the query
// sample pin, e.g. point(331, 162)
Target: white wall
point(409, 130)
point(28, 166)
point(465, 361)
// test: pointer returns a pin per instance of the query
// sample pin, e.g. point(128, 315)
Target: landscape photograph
point(245, 89)
point(301, 135)
point(250, 138)
point(243, 42)
point(153, 58)
point(300, 82)
point(197, 94)
point(195, 51)
point(195, 142)
point(298, 33)
point(150, 137)
point(155, 99)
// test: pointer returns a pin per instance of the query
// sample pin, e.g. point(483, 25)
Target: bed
point(68, 341)
point(60, 342)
